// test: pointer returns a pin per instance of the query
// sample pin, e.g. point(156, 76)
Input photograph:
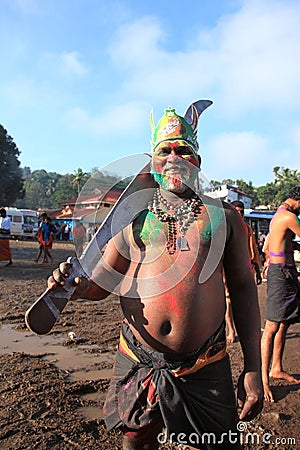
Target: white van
point(30, 223)
point(24, 223)
point(16, 218)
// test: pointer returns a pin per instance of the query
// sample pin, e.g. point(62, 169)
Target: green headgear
point(172, 127)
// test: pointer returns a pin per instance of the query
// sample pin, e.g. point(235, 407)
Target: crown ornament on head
point(172, 127)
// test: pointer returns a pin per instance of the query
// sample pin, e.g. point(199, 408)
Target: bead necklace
point(182, 215)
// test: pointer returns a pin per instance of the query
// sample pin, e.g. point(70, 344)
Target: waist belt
point(215, 352)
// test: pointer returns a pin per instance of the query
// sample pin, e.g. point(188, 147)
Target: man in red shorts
point(5, 251)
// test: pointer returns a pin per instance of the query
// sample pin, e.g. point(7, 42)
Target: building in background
point(259, 220)
point(229, 194)
point(89, 209)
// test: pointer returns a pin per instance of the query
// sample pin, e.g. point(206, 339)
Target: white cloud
point(70, 63)
point(291, 157)
point(136, 45)
point(66, 63)
point(295, 137)
point(235, 155)
point(248, 61)
point(247, 64)
point(27, 6)
point(258, 55)
point(23, 95)
point(21, 92)
point(122, 119)
point(138, 49)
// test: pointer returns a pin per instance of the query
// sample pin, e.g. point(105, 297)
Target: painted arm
point(244, 300)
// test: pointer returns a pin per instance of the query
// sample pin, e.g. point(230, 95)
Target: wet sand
point(53, 388)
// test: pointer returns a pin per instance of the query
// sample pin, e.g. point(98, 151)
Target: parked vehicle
point(30, 223)
point(16, 219)
point(24, 223)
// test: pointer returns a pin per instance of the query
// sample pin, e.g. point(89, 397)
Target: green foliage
point(46, 190)
point(10, 172)
point(64, 190)
point(79, 179)
point(215, 183)
point(285, 180)
point(97, 180)
point(50, 190)
point(267, 194)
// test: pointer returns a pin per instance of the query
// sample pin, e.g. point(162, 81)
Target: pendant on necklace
point(182, 244)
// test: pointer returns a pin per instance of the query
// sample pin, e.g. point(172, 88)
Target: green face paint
point(175, 165)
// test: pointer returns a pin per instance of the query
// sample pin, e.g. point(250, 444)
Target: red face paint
point(168, 164)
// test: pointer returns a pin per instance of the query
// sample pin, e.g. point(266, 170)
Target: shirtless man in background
point(172, 370)
point(283, 300)
point(255, 262)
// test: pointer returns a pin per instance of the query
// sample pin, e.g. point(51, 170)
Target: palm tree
point(78, 179)
point(285, 180)
point(284, 175)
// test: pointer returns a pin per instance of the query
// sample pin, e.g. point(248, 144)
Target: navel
point(166, 328)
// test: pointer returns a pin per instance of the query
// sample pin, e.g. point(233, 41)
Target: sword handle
point(43, 314)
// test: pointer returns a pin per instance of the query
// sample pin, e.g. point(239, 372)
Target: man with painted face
point(172, 371)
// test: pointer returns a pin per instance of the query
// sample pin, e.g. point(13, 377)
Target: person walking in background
point(267, 259)
point(62, 231)
point(255, 262)
point(42, 216)
point(41, 220)
point(260, 245)
point(56, 236)
point(91, 231)
point(45, 238)
point(283, 290)
point(5, 251)
point(261, 237)
point(66, 232)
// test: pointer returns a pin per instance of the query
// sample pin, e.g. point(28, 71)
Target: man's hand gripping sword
point(42, 315)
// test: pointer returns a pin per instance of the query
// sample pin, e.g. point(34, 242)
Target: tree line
point(50, 190)
point(40, 189)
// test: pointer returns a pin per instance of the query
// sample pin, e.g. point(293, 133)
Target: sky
point(79, 78)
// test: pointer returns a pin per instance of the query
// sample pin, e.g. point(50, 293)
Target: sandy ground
point(52, 389)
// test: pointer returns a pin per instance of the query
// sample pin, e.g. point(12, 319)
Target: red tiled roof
point(53, 214)
point(106, 195)
point(82, 209)
point(111, 196)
